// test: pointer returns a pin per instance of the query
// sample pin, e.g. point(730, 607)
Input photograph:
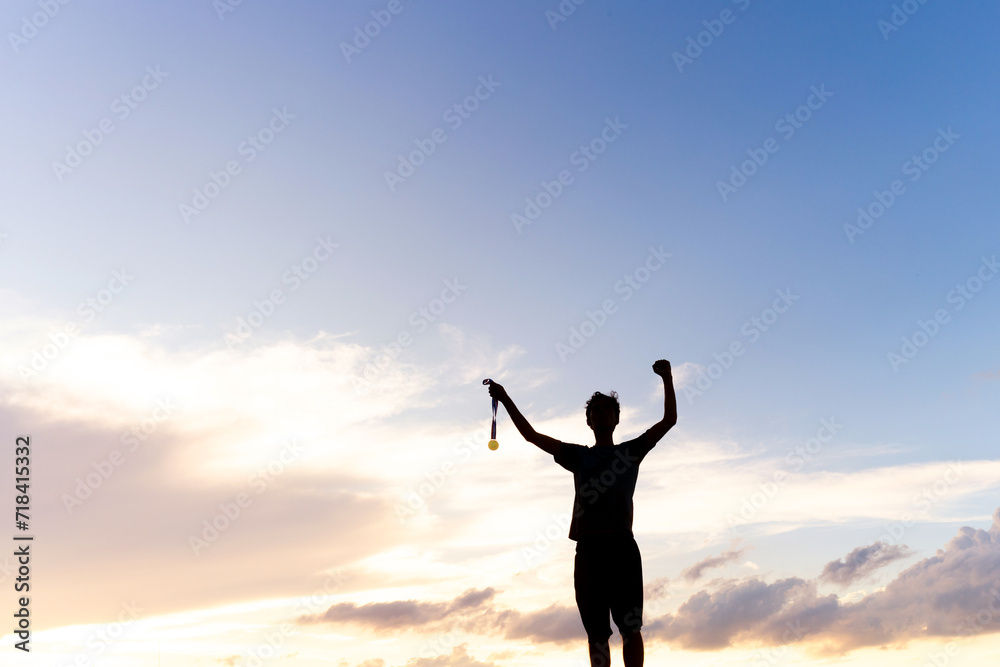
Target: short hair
point(598, 396)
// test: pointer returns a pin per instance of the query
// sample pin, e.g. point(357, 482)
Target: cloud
point(802, 499)
point(231, 413)
point(954, 593)
point(401, 614)
point(459, 657)
point(686, 373)
point(230, 422)
point(741, 611)
point(473, 611)
point(658, 588)
point(694, 572)
point(556, 624)
point(862, 563)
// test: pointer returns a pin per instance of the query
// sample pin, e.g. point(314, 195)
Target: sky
point(256, 259)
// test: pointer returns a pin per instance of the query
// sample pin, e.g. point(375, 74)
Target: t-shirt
point(605, 479)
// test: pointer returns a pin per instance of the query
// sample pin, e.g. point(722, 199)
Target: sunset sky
point(256, 259)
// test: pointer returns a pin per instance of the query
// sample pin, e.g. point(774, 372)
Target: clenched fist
point(662, 368)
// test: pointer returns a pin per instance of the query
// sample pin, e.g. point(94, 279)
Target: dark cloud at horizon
point(861, 563)
point(954, 593)
point(555, 623)
point(694, 572)
point(739, 611)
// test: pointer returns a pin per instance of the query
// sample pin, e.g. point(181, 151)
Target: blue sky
point(315, 200)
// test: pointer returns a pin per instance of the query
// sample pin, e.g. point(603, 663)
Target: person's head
point(603, 411)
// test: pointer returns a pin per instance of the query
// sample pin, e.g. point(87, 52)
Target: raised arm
point(543, 442)
point(659, 429)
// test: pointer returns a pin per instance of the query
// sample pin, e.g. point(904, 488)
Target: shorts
point(608, 577)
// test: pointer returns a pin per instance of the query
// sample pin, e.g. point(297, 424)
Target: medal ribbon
point(493, 426)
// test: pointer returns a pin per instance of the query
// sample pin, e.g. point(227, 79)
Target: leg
point(592, 600)
point(626, 606)
point(632, 651)
point(600, 655)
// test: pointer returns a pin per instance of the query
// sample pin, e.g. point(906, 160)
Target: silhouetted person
point(608, 568)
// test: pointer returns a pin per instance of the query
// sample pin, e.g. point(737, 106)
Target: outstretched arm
point(543, 442)
point(659, 429)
